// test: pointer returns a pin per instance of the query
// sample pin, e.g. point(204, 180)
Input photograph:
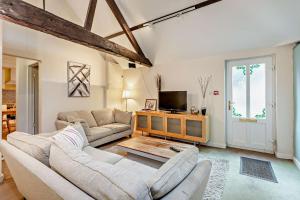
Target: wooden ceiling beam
point(90, 15)
point(25, 14)
point(165, 17)
point(117, 13)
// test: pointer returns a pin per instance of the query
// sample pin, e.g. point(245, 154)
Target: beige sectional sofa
point(101, 126)
point(45, 169)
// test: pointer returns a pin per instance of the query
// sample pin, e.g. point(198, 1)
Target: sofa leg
point(130, 136)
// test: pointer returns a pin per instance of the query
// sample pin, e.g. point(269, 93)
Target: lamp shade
point(126, 94)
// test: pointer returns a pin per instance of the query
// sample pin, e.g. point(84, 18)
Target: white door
point(250, 104)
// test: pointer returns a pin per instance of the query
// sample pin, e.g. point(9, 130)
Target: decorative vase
point(203, 111)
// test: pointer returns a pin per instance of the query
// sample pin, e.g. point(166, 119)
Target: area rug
point(215, 186)
point(216, 183)
point(258, 169)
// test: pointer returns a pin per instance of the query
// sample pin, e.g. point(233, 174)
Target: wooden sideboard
point(184, 126)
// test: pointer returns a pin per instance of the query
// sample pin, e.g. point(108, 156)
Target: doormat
point(258, 169)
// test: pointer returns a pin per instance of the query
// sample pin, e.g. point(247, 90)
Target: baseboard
point(297, 163)
point(284, 156)
point(217, 145)
point(250, 149)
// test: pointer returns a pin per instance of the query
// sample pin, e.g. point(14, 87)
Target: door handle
point(230, 105)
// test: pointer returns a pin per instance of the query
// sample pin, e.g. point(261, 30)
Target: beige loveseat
point(101, 126)
point(45, 170)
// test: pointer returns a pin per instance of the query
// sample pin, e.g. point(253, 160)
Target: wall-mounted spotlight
point(131, 65)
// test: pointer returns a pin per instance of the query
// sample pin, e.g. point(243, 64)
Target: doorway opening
point(19, 95)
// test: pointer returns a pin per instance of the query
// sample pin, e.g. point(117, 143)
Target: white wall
point(114, 86)
point(54, 54)
point(183, 74)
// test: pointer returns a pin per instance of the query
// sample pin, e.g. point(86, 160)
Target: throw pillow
point(83, 123)
point(122, 117)
point(71, 137)
point(104, 116)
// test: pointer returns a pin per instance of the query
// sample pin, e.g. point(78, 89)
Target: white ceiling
point(230, 25)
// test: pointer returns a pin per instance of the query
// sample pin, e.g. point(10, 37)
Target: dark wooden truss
point(27, 15)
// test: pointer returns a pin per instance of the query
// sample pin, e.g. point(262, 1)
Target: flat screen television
point(174, 101)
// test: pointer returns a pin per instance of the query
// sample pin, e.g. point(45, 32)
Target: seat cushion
point(102, 156)
point(105, 116)
point(99, 179)
point(173, 172)
point(122, 116)
point(143, 171)
point(96, 133)
point(36, 146)
point(117, 127)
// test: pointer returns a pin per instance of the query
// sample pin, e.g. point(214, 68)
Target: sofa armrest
point(194, 185)
point(35, 180)
point(60, 124)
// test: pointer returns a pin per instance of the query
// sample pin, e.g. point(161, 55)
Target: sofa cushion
point(88, 117)
point(117, 127)
point(76, 125)
point(143, 171)
point(74, 115)
point(83, 123)
point(98, 133)
point(99, 179)
point(173, 172)
point(65, 115)
point(36, 146)
point(102, 117)
point(122, 117)
point(102, 156)
point(72, 136)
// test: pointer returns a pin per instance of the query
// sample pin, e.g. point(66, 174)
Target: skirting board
point(284, 156)
point(297, 163)
point(217, 145)
point(251, 149)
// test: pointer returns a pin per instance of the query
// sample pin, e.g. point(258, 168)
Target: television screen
point(173, 100)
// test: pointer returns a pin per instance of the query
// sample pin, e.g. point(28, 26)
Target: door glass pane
point(258, 91)
point(239, 81)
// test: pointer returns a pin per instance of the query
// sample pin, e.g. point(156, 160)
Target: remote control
point(174, 149)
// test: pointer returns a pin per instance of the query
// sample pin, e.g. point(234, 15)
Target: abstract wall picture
point(78, 79)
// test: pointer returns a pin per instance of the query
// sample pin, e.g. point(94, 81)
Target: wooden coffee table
point(152, 148)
